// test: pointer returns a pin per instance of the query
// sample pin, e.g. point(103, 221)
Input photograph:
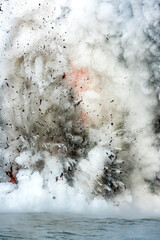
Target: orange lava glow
point(79, 80)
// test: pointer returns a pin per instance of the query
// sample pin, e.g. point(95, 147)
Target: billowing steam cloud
point(80, 106)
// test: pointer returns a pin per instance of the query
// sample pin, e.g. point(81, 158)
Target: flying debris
point(57, 179)
point(64, 75)
point(61, 176)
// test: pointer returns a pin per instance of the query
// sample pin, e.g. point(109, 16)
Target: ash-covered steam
point(79, 110)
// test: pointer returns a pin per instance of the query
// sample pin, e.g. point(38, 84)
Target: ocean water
point(75, 227)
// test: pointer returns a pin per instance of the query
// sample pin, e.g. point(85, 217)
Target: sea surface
point(56, 226)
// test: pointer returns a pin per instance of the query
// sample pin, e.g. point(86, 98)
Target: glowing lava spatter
point(11, 175)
